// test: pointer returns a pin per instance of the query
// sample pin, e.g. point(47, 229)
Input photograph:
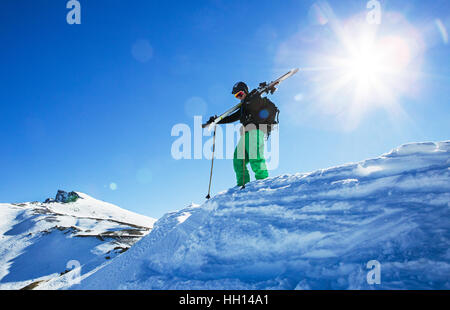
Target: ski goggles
point(240, 94)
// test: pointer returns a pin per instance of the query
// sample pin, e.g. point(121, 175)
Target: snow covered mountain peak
point(38, 240)
point(317, 230)
point(82, 205)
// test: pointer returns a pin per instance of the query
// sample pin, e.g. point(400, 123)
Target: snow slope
point(41, 241)
point(306, 231)
point(90, 207)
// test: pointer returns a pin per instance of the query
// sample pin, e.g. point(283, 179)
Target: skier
point(257, 116)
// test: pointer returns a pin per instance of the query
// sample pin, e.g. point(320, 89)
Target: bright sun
point(361, 72)
point(373, 68)
point(353, 68)
point(364, 66)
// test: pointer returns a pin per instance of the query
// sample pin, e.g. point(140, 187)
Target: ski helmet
point(239, 86)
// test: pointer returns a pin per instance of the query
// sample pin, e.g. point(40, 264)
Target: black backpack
point(260, 110)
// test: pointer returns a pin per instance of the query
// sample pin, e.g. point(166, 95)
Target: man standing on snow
point(254, 114)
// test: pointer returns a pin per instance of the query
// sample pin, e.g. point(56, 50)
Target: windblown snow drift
point(305, 231)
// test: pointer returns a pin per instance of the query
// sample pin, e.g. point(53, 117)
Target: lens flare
point(317, 15)
point(353, 68)
point(442, 30)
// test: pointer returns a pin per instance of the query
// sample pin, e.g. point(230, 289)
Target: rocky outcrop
point(63, 197)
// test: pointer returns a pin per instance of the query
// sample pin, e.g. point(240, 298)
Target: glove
point(211, 120)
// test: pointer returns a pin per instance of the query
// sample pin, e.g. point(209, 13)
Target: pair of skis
point(264, 87)
point(268, 88)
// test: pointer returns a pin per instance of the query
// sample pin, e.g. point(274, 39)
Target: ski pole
point(212, 164)
point(243, 161)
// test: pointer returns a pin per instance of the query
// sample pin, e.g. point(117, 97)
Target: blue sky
point(85, 106)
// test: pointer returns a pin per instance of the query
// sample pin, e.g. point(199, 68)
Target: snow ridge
point(313, 230)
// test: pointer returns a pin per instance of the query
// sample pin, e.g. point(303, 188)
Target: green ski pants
point(253, 144)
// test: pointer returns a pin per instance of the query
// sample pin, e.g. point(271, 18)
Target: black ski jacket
point(250, 106)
